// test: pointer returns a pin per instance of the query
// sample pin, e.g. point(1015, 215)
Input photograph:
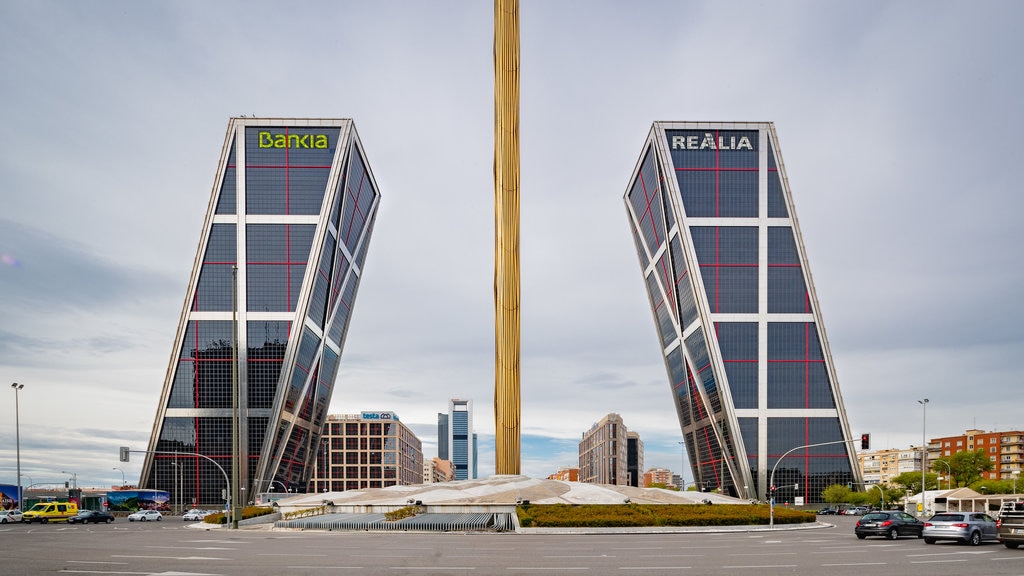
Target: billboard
point(8, 497)
point(135, 500)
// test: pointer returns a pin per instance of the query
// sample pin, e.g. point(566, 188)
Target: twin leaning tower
point(282, 252)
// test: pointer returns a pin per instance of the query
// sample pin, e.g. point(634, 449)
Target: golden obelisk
point(506, 236)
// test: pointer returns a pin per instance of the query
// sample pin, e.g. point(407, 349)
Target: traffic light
point(865, 441)
point(125, 453)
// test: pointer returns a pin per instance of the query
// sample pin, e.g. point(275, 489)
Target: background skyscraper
point(735, 309)
point(289, 221)
point(442, 436)
point(461, 439)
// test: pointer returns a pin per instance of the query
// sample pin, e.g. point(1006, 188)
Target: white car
point(193, 515)
point(145, 515)
point(10, 516)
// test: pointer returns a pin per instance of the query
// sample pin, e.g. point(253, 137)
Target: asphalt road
point(170, 547)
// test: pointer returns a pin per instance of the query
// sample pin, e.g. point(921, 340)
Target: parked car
point(1010, 525)
point(194, 515)
point(86, 516)
point(891, 524)
point(966, 527)
point(10, 516)
point(145, 515)
point(856, 511)
point(827, 511)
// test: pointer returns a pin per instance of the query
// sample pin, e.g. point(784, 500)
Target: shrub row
point(247, 512)
point(636, 515)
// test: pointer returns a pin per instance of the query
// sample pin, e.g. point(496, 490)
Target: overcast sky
point(900, 124)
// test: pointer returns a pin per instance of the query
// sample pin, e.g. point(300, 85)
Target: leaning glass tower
point(736, 314)
point(271, 292)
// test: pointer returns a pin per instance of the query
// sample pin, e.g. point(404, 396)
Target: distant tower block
point(292, 207)
point(737, 318)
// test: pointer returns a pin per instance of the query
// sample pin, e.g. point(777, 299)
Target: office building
point(442, 436)
point(461, 439)
point(366, 450)
point(268, 306)
point(735, 311)
point(605, 453)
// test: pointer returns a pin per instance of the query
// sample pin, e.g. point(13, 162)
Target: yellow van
point(44, 512)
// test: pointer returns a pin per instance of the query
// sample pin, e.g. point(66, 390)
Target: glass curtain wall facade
point(286, 231)
point(461, 439)
point(736, 313)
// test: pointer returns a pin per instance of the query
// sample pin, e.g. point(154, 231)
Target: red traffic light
point(865, 441)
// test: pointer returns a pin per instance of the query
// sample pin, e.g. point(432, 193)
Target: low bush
point(637, 515)
point(247, 512)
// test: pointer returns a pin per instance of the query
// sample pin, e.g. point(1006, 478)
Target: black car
point(891, 524)
point(86, 516)
point(828, 511)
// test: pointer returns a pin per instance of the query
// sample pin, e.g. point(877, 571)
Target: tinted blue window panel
point(226, 200)
point(731, 290)
point(661, 309)
point(306, 187)
point(206, 351)
point(737, 194)
point(277, 256)
point(776, 199)
point(358, 199)
point(787, 292)
point(738, 343)
point(698, 191)
point(697, 347)
point(733, 245)
point(213, 292)
point(645, 199)
point(782, 246)
point(684, 292)
point(814, 468)
point(267, 343)
point(793, 341)
point(748, 431)
point(680, 387)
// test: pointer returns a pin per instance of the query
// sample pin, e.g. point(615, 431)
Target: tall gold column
point(506, 236)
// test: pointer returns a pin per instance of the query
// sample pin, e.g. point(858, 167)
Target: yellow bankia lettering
point(269, 140)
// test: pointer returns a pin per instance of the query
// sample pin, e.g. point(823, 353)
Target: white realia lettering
point(709, 142)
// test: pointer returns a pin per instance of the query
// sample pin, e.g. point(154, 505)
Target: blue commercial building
point(271, 292)
point(737, 317)
point(461, 439)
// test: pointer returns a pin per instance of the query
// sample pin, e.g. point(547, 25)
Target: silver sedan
point(966, 527)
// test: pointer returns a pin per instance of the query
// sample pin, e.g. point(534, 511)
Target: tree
point(912, 481)
point(835, 494)
point(967, 466)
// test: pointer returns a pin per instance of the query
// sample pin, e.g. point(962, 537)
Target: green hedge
point(247, 512)
point(625, 515)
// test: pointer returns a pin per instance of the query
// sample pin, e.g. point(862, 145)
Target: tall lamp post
point(17, 437)
point(682, 465)
point(123, 481)
point(924, 450)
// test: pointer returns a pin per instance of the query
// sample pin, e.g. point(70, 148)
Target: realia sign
point(709, 142)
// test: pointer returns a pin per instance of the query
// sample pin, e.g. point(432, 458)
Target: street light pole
point(74, 478)
point(1014, 474)
point(123, 481)
point(924, 451)
point(17, 437)
point(682, 465)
